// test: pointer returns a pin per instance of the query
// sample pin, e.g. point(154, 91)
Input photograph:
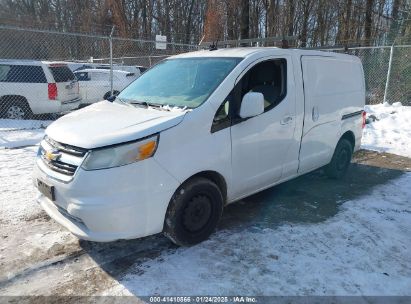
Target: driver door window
point(269, 78)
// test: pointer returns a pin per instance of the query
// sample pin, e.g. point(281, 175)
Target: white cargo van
point(196, 132)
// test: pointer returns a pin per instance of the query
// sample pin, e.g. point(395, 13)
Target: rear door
point(66, 82)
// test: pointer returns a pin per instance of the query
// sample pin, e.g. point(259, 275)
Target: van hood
point(105, 123)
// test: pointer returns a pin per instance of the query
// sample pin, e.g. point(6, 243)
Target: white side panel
point(190, 147)
point(97, 86)
point(333, 87)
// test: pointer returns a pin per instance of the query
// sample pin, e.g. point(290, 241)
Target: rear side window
point(61, 73)
point(22, 73)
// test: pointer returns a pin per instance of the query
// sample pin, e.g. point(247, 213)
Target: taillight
point(52, 88)
point(364, 118)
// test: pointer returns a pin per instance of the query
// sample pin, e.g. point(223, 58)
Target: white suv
point(30, 87)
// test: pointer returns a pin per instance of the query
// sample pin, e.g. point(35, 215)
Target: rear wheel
point(15, 108)
point(341, 160)
point(194, 212)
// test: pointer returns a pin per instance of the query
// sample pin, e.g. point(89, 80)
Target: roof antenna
point(213, 46)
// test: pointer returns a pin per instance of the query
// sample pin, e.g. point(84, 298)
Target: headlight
point(120, 155)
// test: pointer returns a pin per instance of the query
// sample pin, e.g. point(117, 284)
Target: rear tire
point(194, 212)
point(341, 160)
point(15, 108)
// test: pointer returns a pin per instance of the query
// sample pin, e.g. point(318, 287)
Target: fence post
point(388, 73)
point(111, 60)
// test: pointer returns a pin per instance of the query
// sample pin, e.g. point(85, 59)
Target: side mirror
point(252, 105)
point(111, 98)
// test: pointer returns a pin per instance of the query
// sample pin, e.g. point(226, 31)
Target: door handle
point(286, 120)
point(315, 114)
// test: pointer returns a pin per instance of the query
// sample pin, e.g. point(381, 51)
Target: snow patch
point(388, 129)
point(17, 193)
point(363, 250)
point(20, 133)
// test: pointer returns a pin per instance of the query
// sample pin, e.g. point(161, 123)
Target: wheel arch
point(349, 135)
point(11, 97)
point(215, 177)
point(169, 224)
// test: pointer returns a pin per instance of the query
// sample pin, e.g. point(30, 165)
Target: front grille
point(76, 151)
point(60, 167)
point(68, 159)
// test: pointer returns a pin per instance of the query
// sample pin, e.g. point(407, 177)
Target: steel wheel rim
point(197, 213)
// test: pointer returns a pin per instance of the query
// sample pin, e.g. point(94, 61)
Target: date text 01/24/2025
point(203, 299)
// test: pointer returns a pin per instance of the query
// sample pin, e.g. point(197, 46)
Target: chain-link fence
point(387, 71)
point(45, 74)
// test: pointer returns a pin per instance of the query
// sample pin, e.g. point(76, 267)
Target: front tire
point(194, 212)
point(341, 160)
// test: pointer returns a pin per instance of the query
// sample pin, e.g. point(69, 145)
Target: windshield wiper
point(159, 106)
point(146, 104)
point(122, 101)
point(169, 107)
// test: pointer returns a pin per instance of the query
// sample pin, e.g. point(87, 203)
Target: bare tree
point(316, 22)
point(245, 19)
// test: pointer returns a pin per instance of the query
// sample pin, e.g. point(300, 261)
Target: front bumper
point(105, 205)
point(70, 104)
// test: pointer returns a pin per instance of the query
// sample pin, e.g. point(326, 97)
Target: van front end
point(99, 194)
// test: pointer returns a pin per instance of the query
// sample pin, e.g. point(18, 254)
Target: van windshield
point(182, 82)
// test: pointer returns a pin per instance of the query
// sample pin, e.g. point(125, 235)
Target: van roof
point(105, 71)
point(247, 51)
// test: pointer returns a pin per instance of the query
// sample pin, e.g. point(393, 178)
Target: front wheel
point(194, 212)
point(341, 160)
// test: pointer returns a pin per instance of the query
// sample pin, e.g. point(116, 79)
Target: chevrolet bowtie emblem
point(53, 155)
